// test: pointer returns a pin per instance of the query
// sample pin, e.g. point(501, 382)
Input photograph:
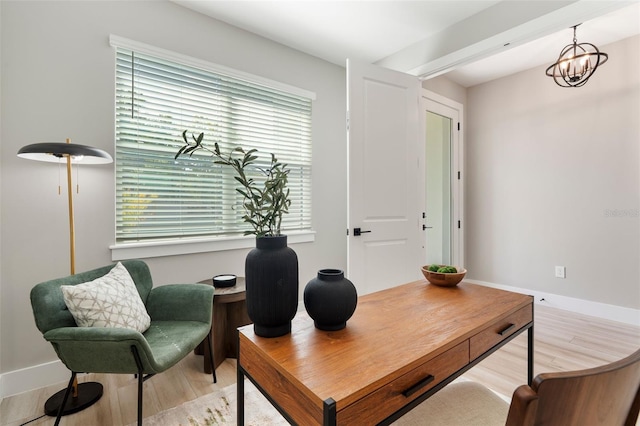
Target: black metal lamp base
point(88, 394)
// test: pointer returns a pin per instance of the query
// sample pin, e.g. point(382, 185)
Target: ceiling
point(471, 41)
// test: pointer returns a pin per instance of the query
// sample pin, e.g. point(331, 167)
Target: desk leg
point(530, 353)
point(329, 412)
point(240, 396)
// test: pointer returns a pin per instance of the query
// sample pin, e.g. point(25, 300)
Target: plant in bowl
point(443, 275)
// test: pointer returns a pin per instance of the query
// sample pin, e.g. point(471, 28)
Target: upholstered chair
point(602, 396)
point(179, 318)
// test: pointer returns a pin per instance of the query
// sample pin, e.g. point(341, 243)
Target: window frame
point(198, 244)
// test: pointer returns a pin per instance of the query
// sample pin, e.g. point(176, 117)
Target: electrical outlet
point(560, 272)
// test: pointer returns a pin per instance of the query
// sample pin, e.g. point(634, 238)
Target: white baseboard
point(30, 378)
point(26, 379)
point(581, 306)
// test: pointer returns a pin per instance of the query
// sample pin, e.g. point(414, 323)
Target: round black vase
point(271, 278)
point(330, 299)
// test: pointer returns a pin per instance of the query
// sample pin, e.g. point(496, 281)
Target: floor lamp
point(84, 394)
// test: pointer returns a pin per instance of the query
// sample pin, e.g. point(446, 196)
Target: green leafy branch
point(263, 204)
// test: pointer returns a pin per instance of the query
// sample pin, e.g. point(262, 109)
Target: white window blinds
point(158, 197)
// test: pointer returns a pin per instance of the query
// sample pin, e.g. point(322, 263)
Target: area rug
point(219, 408)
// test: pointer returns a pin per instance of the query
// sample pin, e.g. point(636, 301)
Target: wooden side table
point(229, 313)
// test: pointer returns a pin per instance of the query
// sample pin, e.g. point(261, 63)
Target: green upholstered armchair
point(180, 320)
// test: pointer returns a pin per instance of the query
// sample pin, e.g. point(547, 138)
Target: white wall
point(58, 82)
point(447, 88)
point(553, 179)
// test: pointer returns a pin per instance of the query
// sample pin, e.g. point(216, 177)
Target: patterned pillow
point(108, 301)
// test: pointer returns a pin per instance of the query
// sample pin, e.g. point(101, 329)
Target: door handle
point(357, 232)
point(425, 227)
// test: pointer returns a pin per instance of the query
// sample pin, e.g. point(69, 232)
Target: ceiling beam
point(500, 27)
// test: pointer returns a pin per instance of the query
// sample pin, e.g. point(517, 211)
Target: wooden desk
point(401, 346)
point(229, 313)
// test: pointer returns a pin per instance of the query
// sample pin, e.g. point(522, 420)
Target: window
point(157, 98)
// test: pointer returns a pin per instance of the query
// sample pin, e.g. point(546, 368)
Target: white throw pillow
point(109, 301)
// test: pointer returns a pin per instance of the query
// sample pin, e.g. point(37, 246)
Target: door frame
point(439, 104)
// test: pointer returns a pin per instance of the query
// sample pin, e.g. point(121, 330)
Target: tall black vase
point(271, 277)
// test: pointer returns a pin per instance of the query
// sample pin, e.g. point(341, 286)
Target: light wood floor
point(563, 341)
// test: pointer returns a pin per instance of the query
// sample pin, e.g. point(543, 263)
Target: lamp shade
point(55, 151)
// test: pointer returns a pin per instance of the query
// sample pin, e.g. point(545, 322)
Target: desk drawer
point(385, 401)
point(499, 331)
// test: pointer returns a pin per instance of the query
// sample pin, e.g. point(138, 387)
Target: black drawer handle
point(415, 388)
point(506, 330)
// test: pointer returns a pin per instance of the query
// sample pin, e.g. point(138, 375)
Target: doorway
point(443, 181)
point(438, 189)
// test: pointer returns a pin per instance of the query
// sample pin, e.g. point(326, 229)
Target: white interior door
point(438, 218)
point(385, 202)
point(444, 180)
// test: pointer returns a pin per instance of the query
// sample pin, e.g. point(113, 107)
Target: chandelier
point(576, 63)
